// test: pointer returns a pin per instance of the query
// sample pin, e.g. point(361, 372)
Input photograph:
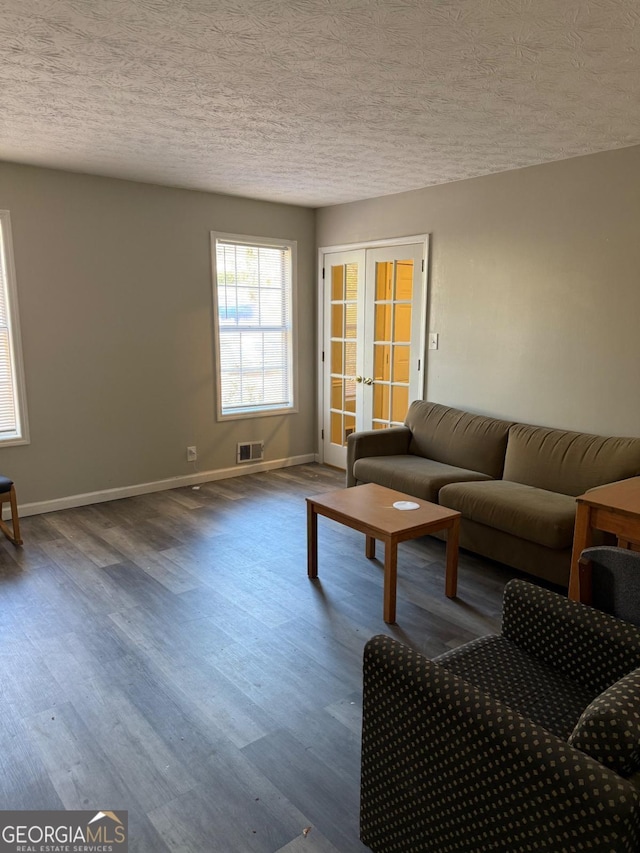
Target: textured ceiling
point(315, 101)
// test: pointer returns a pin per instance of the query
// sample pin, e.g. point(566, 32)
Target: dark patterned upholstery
point(587, 646)
point(609, 729)
point(498, 667)
point(459, 755)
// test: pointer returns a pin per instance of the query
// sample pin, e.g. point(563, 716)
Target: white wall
point(114, 285)
point(534, 288)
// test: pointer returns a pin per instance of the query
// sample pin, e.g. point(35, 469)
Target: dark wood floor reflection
point(166, 654)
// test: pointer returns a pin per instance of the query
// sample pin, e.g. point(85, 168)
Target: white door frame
point(348, 247)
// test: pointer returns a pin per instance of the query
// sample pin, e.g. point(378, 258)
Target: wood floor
point(167, 655)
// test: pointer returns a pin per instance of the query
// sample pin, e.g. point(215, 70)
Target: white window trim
point(22, 436)
point(244, 239)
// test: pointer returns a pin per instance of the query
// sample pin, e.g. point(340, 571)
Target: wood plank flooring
point(167, 654)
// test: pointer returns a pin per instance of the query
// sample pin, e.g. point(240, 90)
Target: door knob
point(358, 378)
point(368, 381)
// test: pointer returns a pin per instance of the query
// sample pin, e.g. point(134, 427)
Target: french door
point(374, 336)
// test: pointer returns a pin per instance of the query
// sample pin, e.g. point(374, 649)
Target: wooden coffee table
point(370, 510)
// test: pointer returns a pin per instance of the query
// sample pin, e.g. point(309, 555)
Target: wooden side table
point(614, 508)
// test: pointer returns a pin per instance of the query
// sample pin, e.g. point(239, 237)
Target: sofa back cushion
point(609, 728)
point(458, 438)
point(568, 462)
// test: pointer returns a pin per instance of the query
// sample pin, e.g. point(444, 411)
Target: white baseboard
point(38, 507)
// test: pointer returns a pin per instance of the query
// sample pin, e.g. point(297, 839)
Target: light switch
point(433, 340)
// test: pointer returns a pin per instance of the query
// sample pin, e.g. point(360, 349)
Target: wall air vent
point(250, 451)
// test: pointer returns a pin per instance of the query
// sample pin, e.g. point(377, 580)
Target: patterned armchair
point(525, 741)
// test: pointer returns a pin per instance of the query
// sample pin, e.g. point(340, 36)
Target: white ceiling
point(315, 101)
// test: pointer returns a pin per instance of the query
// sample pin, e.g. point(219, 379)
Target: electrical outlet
point(192, 454)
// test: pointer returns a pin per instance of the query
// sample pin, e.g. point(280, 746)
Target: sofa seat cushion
point(422, 478)
point(504, 671)
point(524, 511)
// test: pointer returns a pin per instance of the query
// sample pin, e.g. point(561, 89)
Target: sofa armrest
point(447, 768)
point(588, 646)
point(375, 442)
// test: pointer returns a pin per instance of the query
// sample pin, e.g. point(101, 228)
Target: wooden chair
point(8, 493)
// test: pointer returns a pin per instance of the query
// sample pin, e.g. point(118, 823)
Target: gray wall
point(534, 288)
point(114, 287)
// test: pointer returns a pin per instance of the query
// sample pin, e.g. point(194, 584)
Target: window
point(13, 415)
point(253, 286)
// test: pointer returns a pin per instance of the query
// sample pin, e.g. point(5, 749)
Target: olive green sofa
point(515, 484)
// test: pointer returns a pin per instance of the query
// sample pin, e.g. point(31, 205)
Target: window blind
point(254, 285)
point(9, 422)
